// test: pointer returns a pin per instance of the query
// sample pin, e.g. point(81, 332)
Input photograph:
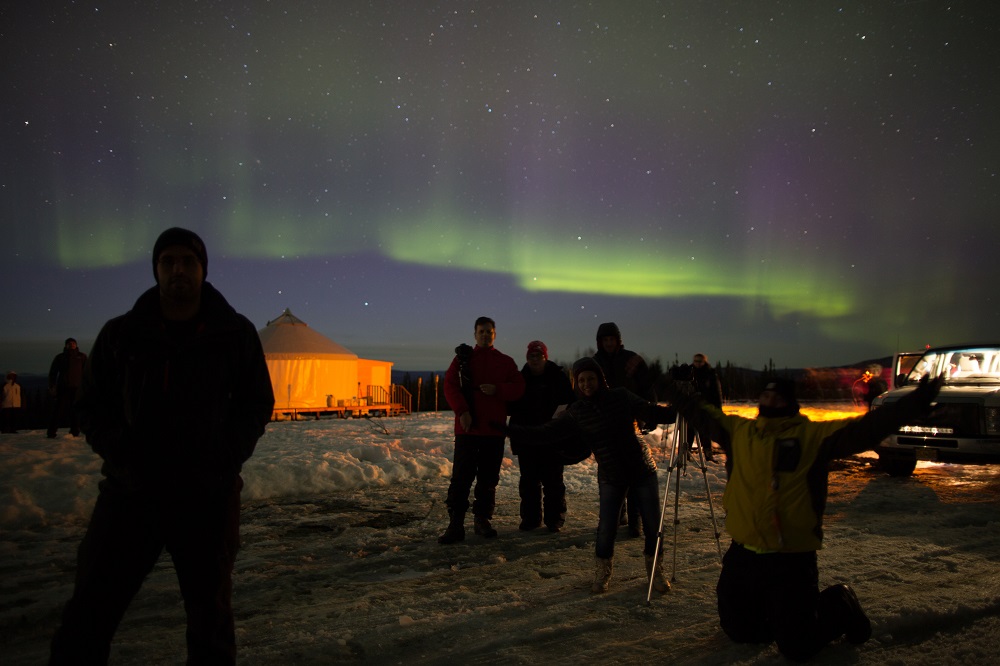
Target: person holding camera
point(479, 385)
point(706, 383)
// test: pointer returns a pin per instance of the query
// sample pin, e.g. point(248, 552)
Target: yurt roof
point(288, 337)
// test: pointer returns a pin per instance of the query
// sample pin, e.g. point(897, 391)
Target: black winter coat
point(542, 395)
point(606, 423)
point(177, 406)
point(616, 374)
point(706, 382)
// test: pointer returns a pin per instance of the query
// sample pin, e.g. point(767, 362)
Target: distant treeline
point(738, 384)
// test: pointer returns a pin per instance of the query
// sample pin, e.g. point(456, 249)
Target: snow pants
point(477, 458)
point(541, 470)
point(775, 597)
point(127, 533)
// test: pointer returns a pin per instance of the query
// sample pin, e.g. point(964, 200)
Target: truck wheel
point(897, 465)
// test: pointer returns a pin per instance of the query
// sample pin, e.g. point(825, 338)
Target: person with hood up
point(624, 368)
point(547, 387)
point(604, 419)
point(777, 463)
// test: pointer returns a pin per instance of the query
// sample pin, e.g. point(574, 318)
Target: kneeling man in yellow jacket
point(774, 500)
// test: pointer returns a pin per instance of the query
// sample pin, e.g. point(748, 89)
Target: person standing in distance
point(175, 395)
point(478, 385)
point(10, 404)
point(65, 375)
point(706, 383)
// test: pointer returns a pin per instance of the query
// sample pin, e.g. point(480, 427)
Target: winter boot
point(482, 526)
point(656, 573)
point(847, 612)
point(455, 531)
point(602, 575)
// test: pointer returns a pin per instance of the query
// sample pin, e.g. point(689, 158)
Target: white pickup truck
point(964, 426)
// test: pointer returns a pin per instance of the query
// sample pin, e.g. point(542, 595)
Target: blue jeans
point(647, 493)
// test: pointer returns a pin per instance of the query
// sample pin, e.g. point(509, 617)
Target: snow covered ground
point(340, 561)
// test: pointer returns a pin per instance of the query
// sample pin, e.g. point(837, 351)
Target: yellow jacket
point(777, 488)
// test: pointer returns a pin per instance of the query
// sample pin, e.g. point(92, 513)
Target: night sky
point(814, 183)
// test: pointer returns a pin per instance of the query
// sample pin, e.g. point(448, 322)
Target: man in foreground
point(174, 398)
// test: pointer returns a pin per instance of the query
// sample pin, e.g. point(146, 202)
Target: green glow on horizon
point(543, 261)
point(106, 242)
point(538, 257)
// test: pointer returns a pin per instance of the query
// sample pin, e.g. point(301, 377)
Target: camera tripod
point(677, 466)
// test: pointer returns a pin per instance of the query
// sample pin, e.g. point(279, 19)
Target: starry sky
point(808, 183)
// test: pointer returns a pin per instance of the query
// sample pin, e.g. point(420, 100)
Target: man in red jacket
point(478, 385)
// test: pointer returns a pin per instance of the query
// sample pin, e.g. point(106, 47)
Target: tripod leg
point(663, 509)
point(708, 492)
point(680, 440)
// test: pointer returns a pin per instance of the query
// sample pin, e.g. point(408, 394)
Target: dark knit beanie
point(185, 238)
point(588, 364)
point(785, 388)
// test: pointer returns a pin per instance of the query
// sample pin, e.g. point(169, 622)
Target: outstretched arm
point(865, 433)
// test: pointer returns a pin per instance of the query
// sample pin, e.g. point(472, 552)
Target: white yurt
point(307, 368)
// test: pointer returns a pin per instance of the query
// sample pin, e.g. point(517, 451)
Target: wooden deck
point(379, 402)
point(339, 412)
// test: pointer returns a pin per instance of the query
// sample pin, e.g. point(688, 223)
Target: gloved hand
point(919, 402)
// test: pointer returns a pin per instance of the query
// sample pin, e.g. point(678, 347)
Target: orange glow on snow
point(825, 413)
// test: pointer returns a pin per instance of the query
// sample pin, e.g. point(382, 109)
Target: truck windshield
point(971, 365)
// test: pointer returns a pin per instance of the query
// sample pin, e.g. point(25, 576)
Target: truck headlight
point(993, 420)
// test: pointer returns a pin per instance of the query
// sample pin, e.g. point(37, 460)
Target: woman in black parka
point(604, 419)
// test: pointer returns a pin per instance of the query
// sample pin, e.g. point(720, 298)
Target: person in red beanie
point(547, 387)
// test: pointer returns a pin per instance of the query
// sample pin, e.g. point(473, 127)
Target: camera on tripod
point(682, 378)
